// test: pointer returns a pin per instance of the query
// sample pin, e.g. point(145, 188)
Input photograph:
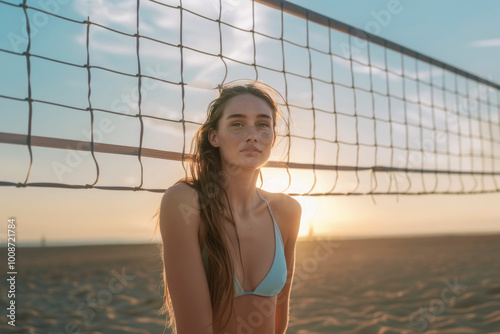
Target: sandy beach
point(445, 284)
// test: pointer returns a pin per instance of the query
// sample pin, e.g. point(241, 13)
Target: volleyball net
point(109, 95)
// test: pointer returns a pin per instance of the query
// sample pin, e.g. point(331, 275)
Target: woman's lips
point(251, 149)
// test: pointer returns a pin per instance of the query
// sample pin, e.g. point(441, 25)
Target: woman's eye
point(260, 124)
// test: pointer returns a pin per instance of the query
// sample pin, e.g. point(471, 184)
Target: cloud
point(104, 12)
point(486, 43)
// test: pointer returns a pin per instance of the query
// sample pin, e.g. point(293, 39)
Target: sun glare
point(275, 181)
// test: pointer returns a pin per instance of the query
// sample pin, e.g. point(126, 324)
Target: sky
point(460, 33)
point(464, 36)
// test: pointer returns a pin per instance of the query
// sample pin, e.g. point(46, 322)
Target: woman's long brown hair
point(207, 178)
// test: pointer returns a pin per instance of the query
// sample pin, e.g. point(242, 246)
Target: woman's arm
point(186, 280)
point(292, 219)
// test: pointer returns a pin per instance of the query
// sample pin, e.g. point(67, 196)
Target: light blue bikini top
point(275, 279)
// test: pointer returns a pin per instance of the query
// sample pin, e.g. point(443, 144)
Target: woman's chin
point(247, 164)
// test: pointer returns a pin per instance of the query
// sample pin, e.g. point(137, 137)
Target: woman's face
point(247, 120)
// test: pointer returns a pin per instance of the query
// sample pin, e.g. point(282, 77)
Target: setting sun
point(275, 182)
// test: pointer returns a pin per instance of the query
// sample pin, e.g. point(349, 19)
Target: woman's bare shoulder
point(281, 201)
point(287, 211)
point(292, 208)
point(181, 190)
point(180, 187)
point(185, 199)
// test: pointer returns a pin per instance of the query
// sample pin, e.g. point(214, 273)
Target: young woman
point(228, 247)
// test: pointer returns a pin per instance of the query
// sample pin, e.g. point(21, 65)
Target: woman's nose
point(252, 133)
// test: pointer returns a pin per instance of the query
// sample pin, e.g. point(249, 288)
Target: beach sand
point(446, 284)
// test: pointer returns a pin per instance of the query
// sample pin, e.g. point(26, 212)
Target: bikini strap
point(268, 206)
